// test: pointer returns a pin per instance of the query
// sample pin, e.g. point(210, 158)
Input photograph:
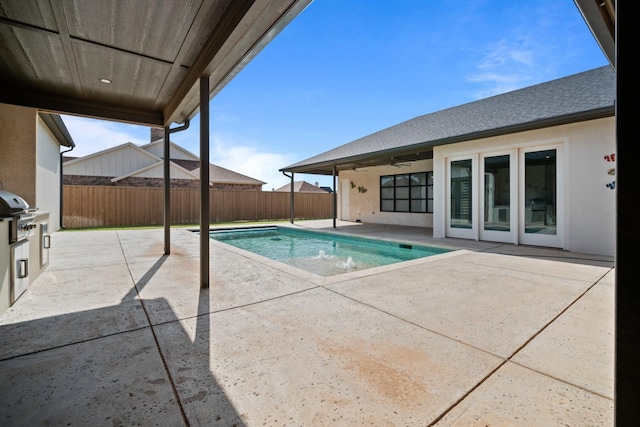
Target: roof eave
point(326, 167)
point(57, 127)
point(600, 17)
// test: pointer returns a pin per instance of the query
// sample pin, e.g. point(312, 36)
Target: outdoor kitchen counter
point(38, 255)
point(5, 265)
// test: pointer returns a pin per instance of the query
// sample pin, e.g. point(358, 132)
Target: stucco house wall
point(588, 205)
point(366, 206)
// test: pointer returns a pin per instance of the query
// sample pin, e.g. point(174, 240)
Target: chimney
point(157, 133)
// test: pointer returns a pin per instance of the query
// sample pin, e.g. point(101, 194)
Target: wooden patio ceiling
point(56, 54)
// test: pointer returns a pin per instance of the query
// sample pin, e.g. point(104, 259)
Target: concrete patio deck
point(115, 333)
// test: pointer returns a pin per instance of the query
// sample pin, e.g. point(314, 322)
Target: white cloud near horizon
point(248, 159)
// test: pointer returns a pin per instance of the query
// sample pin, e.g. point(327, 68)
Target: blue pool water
point(321, 253)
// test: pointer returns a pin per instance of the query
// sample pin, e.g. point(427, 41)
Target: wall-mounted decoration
point(611, 171)
point(362, 189)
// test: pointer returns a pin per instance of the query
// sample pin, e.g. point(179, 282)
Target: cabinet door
point(19, 269)
point(45, 244)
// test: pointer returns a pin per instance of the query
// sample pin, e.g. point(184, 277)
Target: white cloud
point(247, 159)
point(507, 53)
point(92, 135)
point(505, 66)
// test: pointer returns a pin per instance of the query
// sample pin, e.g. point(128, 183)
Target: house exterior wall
point(366, 206)
point(48, 175)
point(18, 151)
point(588, 205)
point(115, 163)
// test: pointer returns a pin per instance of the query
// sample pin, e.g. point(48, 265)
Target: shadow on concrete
point(69, 369)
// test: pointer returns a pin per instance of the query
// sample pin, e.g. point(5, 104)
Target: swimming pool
point(322, 253)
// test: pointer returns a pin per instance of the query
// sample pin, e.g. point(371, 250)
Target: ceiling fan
point(355, 166)
point(400, 164)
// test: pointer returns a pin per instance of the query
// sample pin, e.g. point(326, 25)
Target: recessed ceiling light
point(105, 81)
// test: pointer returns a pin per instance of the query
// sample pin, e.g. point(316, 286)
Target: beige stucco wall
point(588, 205)
point(366, 206)
point(18, 151)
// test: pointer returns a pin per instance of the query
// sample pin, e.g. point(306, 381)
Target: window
point(409, 192)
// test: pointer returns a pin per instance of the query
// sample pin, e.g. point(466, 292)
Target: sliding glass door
point(509, 196)
point(539, 206)
point(460, 222)
point(497, 212)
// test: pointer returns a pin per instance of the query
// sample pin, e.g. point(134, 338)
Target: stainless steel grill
point(22, 218)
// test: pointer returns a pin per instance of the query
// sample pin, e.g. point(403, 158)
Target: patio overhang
point(142, 62)
point(600, 17)
point(362, 161)
point(136, 62)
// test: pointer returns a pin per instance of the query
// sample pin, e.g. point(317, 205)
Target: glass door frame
point(510, 236)
point(550, 240)
point(472, 231)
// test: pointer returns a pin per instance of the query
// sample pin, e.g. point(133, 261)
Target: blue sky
point(344, 69)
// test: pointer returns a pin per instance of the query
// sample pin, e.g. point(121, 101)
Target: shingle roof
point(582, 96)
point(301, 186)
point(220, 175)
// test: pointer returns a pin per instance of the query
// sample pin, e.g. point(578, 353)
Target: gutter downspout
point(335, 197)
point(62, 227)
point(167, 183)
point(291, 196)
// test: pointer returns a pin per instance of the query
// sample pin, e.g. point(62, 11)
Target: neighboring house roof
point(157, 171)
point(301, 186)
point(187, 164)
point(176, 152)
point(220, 175)
point(584, 96)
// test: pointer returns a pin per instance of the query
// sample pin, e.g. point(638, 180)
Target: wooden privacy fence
point(94, 206)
